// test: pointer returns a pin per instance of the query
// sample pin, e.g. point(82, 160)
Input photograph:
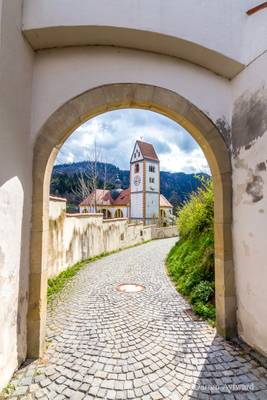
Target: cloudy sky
point(115, 133)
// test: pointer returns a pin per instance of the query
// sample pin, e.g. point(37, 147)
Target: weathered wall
point(249, 160)
point(79, 236)
point(16, 61)
point(163, 232)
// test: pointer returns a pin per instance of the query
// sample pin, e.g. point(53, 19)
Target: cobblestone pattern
point(103, 344)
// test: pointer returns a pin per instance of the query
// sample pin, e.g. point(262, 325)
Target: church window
point(151, 168)
point(136, 168)
point(104, 212)
point(151, 180)
point(118, 214)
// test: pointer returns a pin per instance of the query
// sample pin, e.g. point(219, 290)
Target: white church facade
point(144, 184)
point(142, 201)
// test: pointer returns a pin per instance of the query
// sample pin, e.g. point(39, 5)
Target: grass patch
point(57, 283)
point(9, 389)
point(190, 263)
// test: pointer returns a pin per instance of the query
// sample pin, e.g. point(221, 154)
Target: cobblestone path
point(103, 344)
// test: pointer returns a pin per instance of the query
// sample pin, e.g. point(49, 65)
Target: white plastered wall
point(15, 186)
point(250, 202)
point(152, 199)
point(160, 16)
point(90, 67)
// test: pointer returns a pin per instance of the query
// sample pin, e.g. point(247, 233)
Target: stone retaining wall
point(75, 237)
point(163, 232)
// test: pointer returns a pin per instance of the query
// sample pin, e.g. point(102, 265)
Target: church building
point(142, 201)
point(144, 184)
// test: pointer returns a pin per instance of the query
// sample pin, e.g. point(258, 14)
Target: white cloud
point(115, 133)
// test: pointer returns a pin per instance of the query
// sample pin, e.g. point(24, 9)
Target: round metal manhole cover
point(130, 288)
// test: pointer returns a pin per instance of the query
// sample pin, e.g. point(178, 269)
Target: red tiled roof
point(123, 199)
point(147, 150)
point(164, 202)
point(102, 197)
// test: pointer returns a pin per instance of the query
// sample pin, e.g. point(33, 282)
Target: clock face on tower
point(137, 180)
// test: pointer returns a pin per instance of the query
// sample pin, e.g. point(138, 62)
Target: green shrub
point(204, 291)
point(190, 262)
point(206, 311)
point(196, 215)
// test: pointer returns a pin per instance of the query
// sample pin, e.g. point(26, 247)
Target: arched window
point(104, 212)
point(109, 214)
point(118, 214)
point(136, 168)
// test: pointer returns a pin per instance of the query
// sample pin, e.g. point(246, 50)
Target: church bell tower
point(144, 184)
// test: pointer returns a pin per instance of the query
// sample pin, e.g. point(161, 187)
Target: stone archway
point(106, 98)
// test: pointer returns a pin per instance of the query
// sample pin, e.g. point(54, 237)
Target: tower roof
point(147, 150)
point(118, 183)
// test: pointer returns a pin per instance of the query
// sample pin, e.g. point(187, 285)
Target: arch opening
point(118, 96)
point(118, 213)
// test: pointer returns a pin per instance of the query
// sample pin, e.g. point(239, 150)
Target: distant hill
point(176, 187)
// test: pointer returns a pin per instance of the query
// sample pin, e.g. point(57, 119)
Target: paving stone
point(39, 394)
point(138, 393)
point(128, 385)
point(74, 385)
point(20, 391)
point(156, 396)
point(26, 381)
point(45, 382)
point(165, 392)
point(109, 345)
point(84, 387)
point(101, 374)
point(33, 388)
point(111, 394)
point(69, 393)
point(175, 395)
point(77, 396)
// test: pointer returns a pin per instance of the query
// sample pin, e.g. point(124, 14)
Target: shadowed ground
point(103, 344)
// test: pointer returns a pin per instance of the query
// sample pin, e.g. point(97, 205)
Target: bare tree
point(88, 178)
point(83, 188)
